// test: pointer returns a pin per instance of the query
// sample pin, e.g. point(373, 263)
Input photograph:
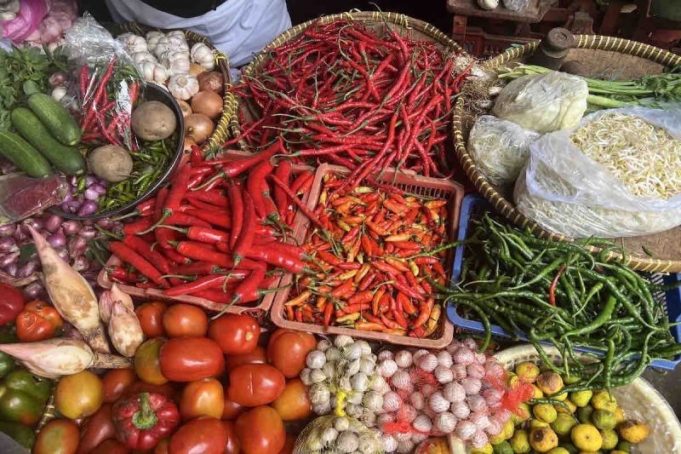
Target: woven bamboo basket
point(639, 400)
point(401, 24)
point(229, 103)
point(601, 55)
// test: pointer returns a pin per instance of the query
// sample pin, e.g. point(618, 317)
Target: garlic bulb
point(403, 359)
point(438, 403)
point(359, 382)
point(322, 408)
point(389, 443)
point(385, 418)
point(471, 385)
point(333, 354)
point(460, 410)
point(443, 374)
point(463, 355)
point(353, 410)
point(141, 57)
point(177, 62)
point(402, 380)
point(347, 442)
point(460, 371)
point(407, 413)
point(479, 439)
point(385, 354)
point(317, 376)
point(391, 401)
point(153, 37)
point(422, 423)
point(475, 370)
point(445, 422)
point(323, 345)
point(379, 384)
point(153, 72)
point(367, 364)
point(315, 359)
point(427, 362)
point(352, 368)
point(341, 424)
point(329, 370)
point(373, 401)
point(454, 392)
point(444, 359)
point(405, 447)
point(203, 55)
point(319, 394)
point(183, 86)
point(387, 368)
point(133, 43)
point(355, 398)
point(305, 377)
point(418, 438)
point(352, 351)
point(343, 341)
point(418, 353)
point(162, 46)
point(480, 419)
point(465, 430)
point(368, 417)
point(476, 403)
point(329, 436)
point(177, 34)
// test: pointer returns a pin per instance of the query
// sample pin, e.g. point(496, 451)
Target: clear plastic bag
point(500, 148)
point(336, 435)
point(567, 192)
point(108, 85)
point(22, 196)
point(543, 103)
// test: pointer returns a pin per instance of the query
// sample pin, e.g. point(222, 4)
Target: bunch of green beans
point(562, 294)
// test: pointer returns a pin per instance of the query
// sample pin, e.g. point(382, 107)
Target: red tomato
point(287, 350)
point(116, 382)
point(59, 436)
point(167, 389)
point(162, 446)
point(293, 403)
point(191, 359)
point(96, 429)
point(199, 436)
point(235, 334)
point(232, 446)
point(202, 398)
point(231, 409)
point(289, 445)
point(150, 316)
point(253, 385)
point(111, 446)
point(185, 320)
point(257, 356)
point(260, 431)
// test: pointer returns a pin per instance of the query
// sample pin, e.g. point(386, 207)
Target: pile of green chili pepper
point(560, 293)
point(149, 164)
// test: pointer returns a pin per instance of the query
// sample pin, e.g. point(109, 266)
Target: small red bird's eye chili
point(127, 255)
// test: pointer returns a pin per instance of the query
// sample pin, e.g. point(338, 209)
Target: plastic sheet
point(566, 192)
point(22, 196)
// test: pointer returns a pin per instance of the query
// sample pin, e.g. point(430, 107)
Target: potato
point(110, 162)
point(153, 120)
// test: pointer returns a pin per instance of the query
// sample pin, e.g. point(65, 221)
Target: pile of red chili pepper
point(345, 94)
point(376, 254)
point(107, 96)
point(219, 231)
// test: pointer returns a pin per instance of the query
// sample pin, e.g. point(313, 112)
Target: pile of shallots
point(437, 393)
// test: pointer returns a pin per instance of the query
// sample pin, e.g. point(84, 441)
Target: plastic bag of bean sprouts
point(617, 174)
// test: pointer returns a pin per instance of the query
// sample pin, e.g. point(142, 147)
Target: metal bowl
point(152, 92)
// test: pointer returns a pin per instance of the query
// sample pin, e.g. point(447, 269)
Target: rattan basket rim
point(504, 206)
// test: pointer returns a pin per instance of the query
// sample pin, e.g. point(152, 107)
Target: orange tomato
point(257, 356)
point(202, 398)
point(147, 363)
point(185, 320)
point(232, 446)
point(293, 403)
point(231, 409)
point(261, 431)
point(287, 350)
point(150, 316)
point(116, 381)
point(79, 395)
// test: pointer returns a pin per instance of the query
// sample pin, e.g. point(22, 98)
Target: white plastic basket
point(639, 400)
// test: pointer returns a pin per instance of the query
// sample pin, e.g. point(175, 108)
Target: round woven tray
point(639, 401)
point(401, 24)
point(229, 104)
point(602, 56)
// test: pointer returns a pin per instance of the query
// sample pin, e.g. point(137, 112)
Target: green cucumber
point(67, 159)
point(56, 118)
point(23, 155)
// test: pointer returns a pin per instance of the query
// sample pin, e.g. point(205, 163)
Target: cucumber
point(56, 118)
point(67, 159)
point(23, 155)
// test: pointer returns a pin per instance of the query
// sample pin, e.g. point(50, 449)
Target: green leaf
point(26, 252)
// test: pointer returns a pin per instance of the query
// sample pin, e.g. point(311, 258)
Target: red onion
point(33, 290)
point(91, 194)
point(20, 234)
point(8, 259)
point(35, 223)
point(105, 223)
point(98, 188)
point(77, 246)
point(52, 223)
point(87, 208)
point(87, 232)
point(11, 269)
point(27, 269)
point(7, 244)
point(57, 78)
point(7, 230)
point(70, 227)
point(57, 240)
point(90, 180)
point(80, 263)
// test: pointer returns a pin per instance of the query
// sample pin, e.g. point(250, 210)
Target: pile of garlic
point(344, 374)
point(337, 434)
point(441, 392)
point(166, 58)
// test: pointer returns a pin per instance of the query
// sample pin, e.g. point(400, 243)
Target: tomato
point(96, 429)
point(150, 316)
point(288, 445)
point(199, 436)
point(185, 320)
point(191, 358)
point(253, 385)
point(260, 431)
point(167, 389)
point(293, 403)
point(231, 409)
point(257, 356)
point(116, 382)
point(111, 446)
point(147, 363)
point(287, 350)
point(59, 436)
point(162, 446)
point(202, 398)
point(79, 395)
point(232, 445)
point(235, 334)
point(38, 321)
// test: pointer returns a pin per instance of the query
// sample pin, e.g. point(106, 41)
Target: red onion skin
point(27, 269)
point(8, 259)
point(87, 208)
point(7, 230)
point(87, 232)
point(57, 240)
point(11, 269)
point(77, 246)
point(33, 290)
point(7, 244)
point(63, 254)
point(52, 223)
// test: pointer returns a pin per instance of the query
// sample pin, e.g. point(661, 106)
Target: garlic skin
point(444, 359)
point(323, 345)
point(141, 57)
point(343, 341)
point(153, 72)
point(315, 359)
point(347, 442)
point(403, 359)
point(385, 354)
point(391, 401)
point(329, 436)
point(443, 375)
point(305, 377)
point(387, 368)
point(373, 401)
point(438, 403)
point(152, 38)
point(402, 380)
point(465, 430)
point(422, 424)
point(183, 86)
point(454, 392)
point(359, 382)
point(445, 422)
point(133, 43)
point(427, 362)
point(177, 62)
point(317, 376)
point(203, 55)
point(319, 394)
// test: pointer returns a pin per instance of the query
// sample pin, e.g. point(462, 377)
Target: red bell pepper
point(143, 419)
point(11, 303)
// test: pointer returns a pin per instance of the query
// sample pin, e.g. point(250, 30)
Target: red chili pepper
point(218, 218)
point(235, 167)
point(205, 283)
point(283, 173)
point(217, 296)
point(206, 235)
point(184, 219)
point(328, 313)
point(275, 255)
point(247, 290)
point(127, 255)
point(301, 206)
point(405, 303)
point(245, 240)
point(408, 291)
point(399, 318)
point(198, 268)
point(144, 249)
point(237, 205)
point(254, 186)
point(554, 284)
point(203, 252)
point(196, 155)
point(173, 255)
point(135, 227)
point(425, 308)
point(301, 181)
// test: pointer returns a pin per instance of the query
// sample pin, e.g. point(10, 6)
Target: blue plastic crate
point(474, 205)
